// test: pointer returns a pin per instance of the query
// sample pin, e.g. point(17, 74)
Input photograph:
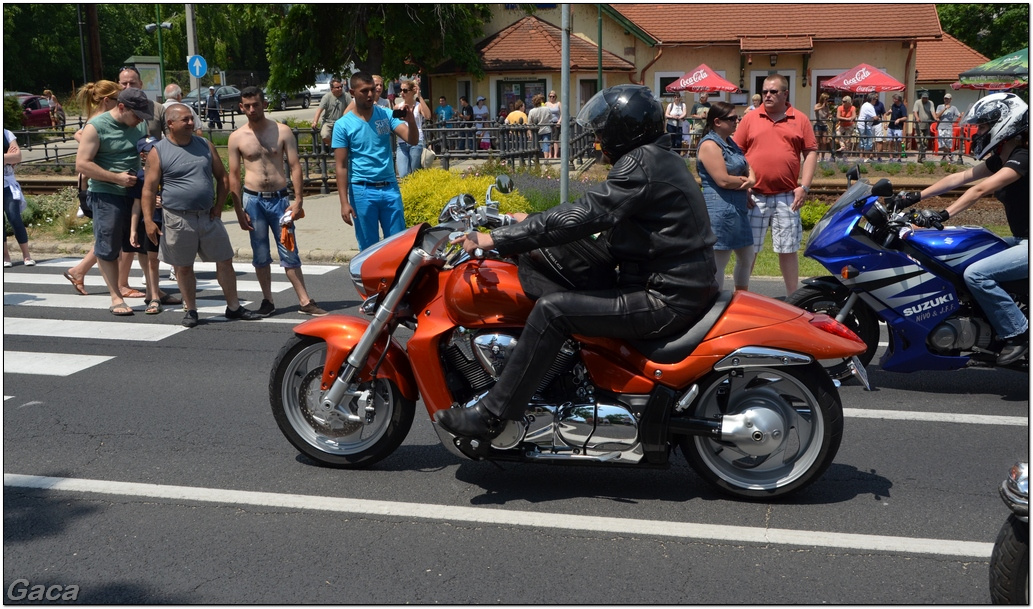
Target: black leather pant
point(629, 313)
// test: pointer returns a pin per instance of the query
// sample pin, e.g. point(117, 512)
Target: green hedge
point(425, 192)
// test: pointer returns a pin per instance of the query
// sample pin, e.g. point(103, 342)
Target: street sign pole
point(195, 82)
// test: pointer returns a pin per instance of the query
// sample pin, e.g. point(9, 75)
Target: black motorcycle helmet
point(623, 118)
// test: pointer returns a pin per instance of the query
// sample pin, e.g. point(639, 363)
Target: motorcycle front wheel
point(802, 401)
point(1009, 564)
point(861, 320)
point(329, 437)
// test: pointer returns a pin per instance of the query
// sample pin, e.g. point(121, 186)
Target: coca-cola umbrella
point(701, 80)
point(863, 79)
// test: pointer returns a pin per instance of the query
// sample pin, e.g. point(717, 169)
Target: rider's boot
point(474, 422)
point(1014, 348)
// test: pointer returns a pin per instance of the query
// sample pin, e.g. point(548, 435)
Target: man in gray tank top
point(184, 165)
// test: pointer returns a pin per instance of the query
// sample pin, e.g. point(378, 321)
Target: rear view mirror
point(504, 184)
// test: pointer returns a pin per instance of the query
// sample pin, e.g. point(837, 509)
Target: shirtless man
point(260, 144)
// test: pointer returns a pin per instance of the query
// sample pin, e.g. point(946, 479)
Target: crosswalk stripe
point(49, 364)
point(101, 302)
point(199, 267)
point(96, 283)
point(100, 330)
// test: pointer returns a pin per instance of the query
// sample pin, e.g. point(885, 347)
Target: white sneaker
point(30, 262)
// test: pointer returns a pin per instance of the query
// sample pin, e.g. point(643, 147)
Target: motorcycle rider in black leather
point(658, 232)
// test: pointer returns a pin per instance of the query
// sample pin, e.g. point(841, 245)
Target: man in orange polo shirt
point(774, 138)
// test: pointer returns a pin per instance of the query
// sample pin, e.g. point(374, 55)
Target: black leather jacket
point(659, 228)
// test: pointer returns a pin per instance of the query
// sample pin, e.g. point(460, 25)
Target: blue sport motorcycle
point(885, 270)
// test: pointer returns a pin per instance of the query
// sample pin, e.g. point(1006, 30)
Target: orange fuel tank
point(486, 292)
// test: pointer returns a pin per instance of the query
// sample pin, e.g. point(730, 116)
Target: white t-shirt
point(867, 114)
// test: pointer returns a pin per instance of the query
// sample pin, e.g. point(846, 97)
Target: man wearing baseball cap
point(923, 115)
point(108, 157)
point(211, 105)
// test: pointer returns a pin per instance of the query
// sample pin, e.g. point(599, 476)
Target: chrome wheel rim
point(331, 432)
point(781, 393)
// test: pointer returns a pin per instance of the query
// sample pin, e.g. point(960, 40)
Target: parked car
point(35, 111)
point(321, 87)
point(229, 99)
point(281, 101)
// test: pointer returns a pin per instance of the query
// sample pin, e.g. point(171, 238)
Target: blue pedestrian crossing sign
point(197, 66)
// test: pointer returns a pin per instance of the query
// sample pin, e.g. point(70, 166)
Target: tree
point(387, 38)
point(992, 29)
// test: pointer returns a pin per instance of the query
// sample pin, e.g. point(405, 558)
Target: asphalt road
point(155, 473)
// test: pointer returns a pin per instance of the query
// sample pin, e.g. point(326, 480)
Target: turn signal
point(848, 272)
point(827, 324)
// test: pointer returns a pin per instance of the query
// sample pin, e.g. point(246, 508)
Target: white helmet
point(1005, 116)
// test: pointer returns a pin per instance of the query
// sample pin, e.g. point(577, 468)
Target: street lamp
point(158, 26)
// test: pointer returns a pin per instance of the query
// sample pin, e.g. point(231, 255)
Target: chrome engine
point(563, 420)
point(961, 334)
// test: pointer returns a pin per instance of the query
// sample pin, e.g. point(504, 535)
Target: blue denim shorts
point(265, 216)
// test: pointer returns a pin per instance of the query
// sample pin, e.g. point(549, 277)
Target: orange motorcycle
point(742, 393)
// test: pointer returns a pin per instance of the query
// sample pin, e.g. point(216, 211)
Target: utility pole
point(565, 106)
point(195, 83)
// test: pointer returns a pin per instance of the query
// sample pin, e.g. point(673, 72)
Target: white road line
point(509, 518)
point(199, 267)
point(102, 302)
point(937, 417)
point(103, 330)
point(95, 283)
point(49, 364)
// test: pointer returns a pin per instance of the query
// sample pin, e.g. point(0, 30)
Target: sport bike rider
point(658, 233)
point(1002, 140)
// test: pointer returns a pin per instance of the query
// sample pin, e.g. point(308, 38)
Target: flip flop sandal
point(153, 307)
point(76, 283)
point(131, 293)
point(121, 310)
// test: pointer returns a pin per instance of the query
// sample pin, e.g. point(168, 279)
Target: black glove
point(929, 218)
point(910, 197)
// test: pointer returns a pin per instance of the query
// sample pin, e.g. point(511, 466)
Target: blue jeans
point(545, 139)
point(265, 216)
point(408, 158)
point(983, 277)
point(376, 207)
point(13, 211)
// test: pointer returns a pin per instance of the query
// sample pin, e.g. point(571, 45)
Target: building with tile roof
point(655, 44)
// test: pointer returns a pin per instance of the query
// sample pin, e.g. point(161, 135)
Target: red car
point(36, 111)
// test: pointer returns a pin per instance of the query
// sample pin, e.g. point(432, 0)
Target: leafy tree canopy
point(992, 29)
point(383, 38)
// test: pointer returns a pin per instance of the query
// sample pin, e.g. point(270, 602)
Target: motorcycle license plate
point(857, 369)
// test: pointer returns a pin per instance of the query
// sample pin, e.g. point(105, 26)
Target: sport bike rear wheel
point(329, 437)
point(791, 427)
point(861, 320)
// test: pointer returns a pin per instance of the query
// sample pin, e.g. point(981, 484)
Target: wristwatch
point(806, 189)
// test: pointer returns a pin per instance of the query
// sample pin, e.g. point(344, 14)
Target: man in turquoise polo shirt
point(107, 155)
point(366, 182)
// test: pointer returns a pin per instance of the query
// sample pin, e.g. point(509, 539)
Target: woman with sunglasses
point(726, 178)
point(554, 106)
point(410, 158)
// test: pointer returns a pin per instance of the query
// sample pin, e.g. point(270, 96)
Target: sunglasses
point(730, 118)
point(406, 90)
point(771, 91)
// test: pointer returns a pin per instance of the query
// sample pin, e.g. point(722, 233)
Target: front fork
point(343, 387)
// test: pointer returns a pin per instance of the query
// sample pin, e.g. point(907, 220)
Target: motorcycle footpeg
point(474, 448)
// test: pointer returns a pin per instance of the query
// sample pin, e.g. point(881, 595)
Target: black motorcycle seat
point(672, 349)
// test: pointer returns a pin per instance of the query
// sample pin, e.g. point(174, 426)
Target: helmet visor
point(594, 113)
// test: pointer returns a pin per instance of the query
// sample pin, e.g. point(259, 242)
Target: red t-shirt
point(773, 149)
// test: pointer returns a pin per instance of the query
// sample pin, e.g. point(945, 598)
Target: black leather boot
point(474, 422)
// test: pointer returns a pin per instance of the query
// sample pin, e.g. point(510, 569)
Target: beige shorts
point(326, 131)
point(185, 235)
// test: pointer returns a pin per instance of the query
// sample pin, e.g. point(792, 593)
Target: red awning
point(863, 79)
point(701, 80)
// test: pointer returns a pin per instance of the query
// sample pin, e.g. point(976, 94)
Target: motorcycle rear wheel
point(861, 320)
point(803, 396)
point(1009, 564)
point(294, 394)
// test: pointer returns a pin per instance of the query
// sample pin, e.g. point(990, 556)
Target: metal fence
point(515, 145)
